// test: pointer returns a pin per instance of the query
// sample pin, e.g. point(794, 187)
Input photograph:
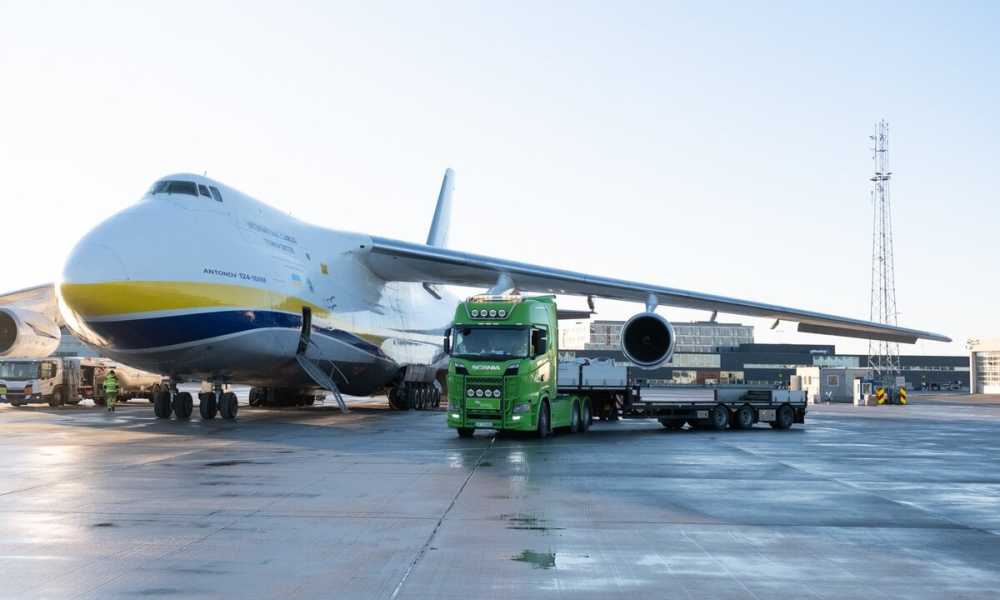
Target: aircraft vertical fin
point(438, 235)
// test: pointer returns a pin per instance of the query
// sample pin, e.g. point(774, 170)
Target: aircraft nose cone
point(94, 262)
point(92, 265)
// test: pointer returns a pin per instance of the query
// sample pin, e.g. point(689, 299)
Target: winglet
point(438, 235)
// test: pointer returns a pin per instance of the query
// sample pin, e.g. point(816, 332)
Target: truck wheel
point(57, 397)
point(743, 418)
point(206, 406)
point(784, 417)
point(719, 418)
point(574, 419)
point(183, 406)
point(465, 432)
point(161, 405)
point(543, 421)
point(586, 418)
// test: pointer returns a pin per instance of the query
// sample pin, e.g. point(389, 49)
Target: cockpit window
point(190, 188)
point(182, 187)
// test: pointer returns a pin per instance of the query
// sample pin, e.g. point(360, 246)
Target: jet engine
point(648, 340)
point(27, 334)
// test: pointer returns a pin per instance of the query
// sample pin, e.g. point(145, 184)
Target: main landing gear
point(181, 404)
point(415, 395)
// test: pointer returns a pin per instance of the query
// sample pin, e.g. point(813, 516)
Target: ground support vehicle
point(68, 380)
point(613, 394)
point(502, 368)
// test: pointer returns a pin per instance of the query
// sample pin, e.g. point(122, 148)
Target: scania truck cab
point(503, 365)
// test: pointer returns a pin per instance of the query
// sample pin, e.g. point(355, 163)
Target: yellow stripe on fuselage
point(131, 297)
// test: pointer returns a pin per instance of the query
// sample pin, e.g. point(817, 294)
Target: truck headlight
point(521, 408)
point(470, 393)
point(479, 393)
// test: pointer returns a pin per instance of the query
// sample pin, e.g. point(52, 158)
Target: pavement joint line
point(430, 538)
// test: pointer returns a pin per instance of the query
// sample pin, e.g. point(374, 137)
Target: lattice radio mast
point(883, 356)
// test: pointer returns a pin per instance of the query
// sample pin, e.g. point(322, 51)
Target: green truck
point(503, 368)
point(505, 373)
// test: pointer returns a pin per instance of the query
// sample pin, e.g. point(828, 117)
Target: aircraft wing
point(395, 260)
point(40, 299)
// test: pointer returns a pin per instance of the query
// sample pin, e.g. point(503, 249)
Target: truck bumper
point(520, 422)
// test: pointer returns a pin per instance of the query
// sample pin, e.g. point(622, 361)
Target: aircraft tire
point(206, 406)
point(228, 406)
point(161, 405)
point(395, 397)
point(183, 406)
point(437, 398)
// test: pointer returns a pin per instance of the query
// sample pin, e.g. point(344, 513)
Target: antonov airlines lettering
point(201, 282)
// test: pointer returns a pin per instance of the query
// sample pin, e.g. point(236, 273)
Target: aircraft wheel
point(743, 417)
point(183, 405)
point(206, 406)
point(437, 398)
point(396, 398)
point(161, 405)
point(228, 406)
point(255, 396)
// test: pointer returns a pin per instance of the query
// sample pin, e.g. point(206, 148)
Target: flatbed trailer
point(614, 394)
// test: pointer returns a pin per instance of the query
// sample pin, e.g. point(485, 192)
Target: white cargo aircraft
point(201, 282)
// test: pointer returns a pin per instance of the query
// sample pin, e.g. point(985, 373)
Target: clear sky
point(721, 147)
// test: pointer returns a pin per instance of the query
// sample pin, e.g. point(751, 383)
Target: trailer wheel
point(743, 418)
point(574, 419)
point(466, 432)
point(719, 418)
point(543, 421)
point(784, 417)
point(586, 418)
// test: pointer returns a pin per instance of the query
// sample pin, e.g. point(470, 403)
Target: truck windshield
point(490, 342)
point(18, 370)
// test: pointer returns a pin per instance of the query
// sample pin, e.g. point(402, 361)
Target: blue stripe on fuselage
point(157, 332)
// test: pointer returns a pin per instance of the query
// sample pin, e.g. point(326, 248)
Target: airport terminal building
point(709, 353)
point(984, 366)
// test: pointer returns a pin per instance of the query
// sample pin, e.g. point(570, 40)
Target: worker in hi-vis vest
point(111, 390)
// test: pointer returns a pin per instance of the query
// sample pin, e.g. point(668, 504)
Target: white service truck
point(614, 394)
point(68, 380)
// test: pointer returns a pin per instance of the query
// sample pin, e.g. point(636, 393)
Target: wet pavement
point(878, 502)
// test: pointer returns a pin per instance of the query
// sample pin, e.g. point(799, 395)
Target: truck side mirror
point(446, 344)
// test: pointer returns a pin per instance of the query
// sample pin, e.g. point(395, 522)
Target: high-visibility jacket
point(110, 384)
point(3, 388)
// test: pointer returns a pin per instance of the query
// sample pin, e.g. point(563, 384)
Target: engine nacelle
point(27, 334)
point(648, 340)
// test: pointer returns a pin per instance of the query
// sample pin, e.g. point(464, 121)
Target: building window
point(833, 380)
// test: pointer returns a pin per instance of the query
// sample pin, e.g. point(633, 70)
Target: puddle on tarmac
point(537, 560)
point(230, 463)
point(526, 522)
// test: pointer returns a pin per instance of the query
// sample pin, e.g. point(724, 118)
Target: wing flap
point(395, 260)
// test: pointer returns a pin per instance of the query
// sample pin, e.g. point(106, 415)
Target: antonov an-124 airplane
point(200, 282)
